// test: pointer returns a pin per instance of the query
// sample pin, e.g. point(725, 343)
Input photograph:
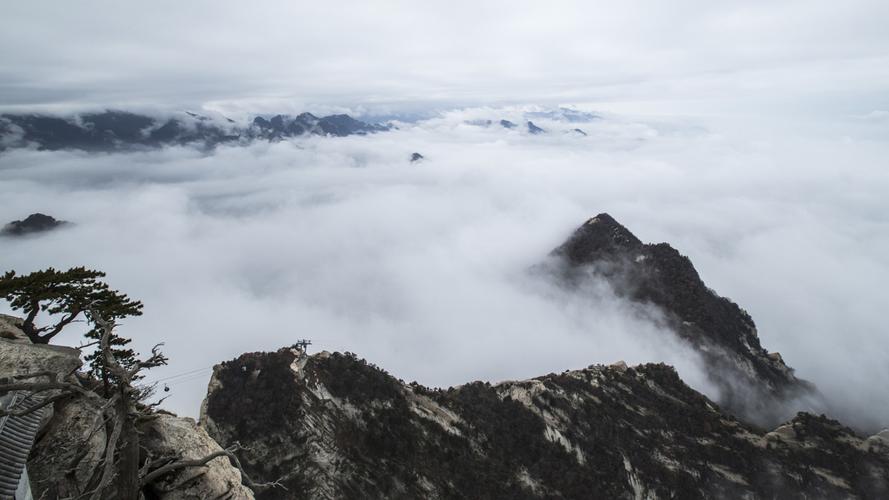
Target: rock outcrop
point(171, 436)
point(753, 383)
point(67, 456)
point(34, 223)
point(534, 129)
point(18, 356)
point(333, 426)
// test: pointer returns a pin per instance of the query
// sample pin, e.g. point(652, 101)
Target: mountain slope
point(333, 426)
point(120, 130)
point(753, 383)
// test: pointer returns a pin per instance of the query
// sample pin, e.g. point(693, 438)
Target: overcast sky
point(752, 137)
point(679, 56)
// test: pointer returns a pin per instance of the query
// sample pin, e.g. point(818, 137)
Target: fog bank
point(422, 267)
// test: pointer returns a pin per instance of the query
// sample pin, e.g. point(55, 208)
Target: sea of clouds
point(422, 268)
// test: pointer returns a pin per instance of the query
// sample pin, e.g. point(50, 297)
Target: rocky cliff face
point(67, 455)
point(333, 426)
point(753, 383)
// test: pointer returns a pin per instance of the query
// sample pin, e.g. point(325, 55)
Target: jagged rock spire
point(753, 384)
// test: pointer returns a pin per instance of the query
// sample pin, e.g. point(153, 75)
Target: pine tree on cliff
point(71, 294)
point(125, 469)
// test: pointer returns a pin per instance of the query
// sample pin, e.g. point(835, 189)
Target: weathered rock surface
point(68, 452)
point(67, 455)
point(10, 329)
point(753, 383)
point(18, 356)
point(182, 438)
point(332, 426)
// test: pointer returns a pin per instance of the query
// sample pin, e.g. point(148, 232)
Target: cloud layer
point(688, 56)
point(422, 268)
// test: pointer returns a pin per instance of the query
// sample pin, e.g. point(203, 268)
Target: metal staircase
point(16, 439)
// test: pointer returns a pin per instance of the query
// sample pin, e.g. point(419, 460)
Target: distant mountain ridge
point(121, 130)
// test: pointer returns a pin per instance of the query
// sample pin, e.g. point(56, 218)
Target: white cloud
point(287, 56)
point(422, 267)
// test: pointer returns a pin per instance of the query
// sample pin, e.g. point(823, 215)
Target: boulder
point(181, 438)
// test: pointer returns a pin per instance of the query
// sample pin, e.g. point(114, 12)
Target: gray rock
point(69, 451)
point(181, 438)
point(67, 455)
point(19, 357)
point(334, 426)
point(10, 329)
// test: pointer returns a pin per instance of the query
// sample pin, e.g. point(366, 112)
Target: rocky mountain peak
point(598, 238)
point(534, 129)
point(754, 384)
point(34, 223)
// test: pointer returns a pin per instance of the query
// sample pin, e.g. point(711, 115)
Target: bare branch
point(88, 344)
point(246, 478)
point(108, 468)
point(148, 462)
point(157, 359)
point(157, 403)
point(201, 462)
point(61, 325)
